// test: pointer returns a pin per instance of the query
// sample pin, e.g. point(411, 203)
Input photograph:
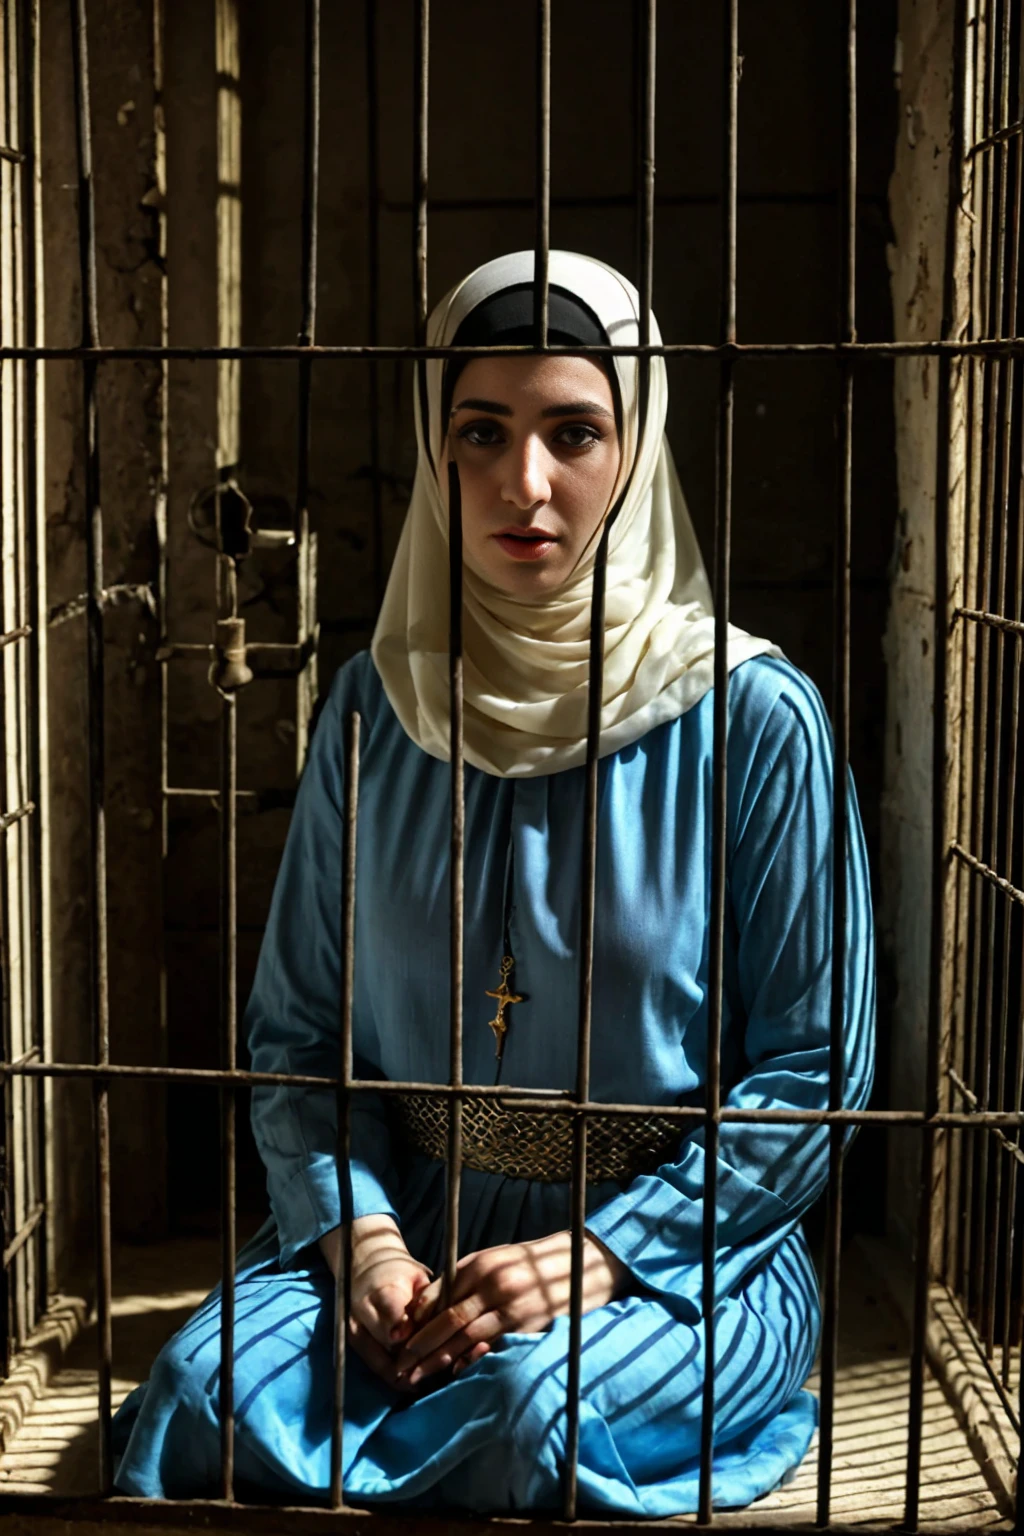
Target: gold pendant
point(505, 998)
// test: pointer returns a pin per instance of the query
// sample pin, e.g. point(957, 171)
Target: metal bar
point(421, 163)
point(645, 190)
point(961, 1087)
point(35, 549)
point(723, 556)
point(588, 878)
point(99, 992)
point(987, 873)
point(860, 351)
point(994, 620)
point(1001, 136)
point(542, 241)
point(457, 838)
point(255, 650)
point(110, 597)
point(15, 816)
point(994, 228)
point(841, 757)
point(21, 633)
point(978, 559)
point(343, 1280)
point(645, 183)
point(1009, 212)
point(308, 223)
point(266, 1520)
point(23, 1234)
point(1009, 1204)
point(373, 293)
point(1011, 1408)
point(936, 998)
point(228, 1097)
point(537, 1100)
point(13, 156)
point(310, 181)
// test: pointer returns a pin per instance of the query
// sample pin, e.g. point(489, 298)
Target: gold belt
point(521, 1145)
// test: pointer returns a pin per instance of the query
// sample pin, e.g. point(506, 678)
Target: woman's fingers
point(470, 1358)
point(383, 1309)
point(439, 1330)
point(487, 1326)
point(376, 1357)
point(425, 1304)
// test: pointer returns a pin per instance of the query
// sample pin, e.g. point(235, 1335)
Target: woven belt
point(520, 1145)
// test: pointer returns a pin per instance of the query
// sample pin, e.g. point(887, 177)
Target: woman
point(464, 1405)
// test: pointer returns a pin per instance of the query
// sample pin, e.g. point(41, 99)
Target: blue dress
point(492, 1439)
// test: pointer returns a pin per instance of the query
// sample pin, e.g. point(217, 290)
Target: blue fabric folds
point(492, 1439)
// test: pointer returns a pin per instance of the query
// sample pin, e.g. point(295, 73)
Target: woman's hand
point(386, 1282)
point(516, 1288)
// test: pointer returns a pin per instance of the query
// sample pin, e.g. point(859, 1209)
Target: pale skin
point(538, 454)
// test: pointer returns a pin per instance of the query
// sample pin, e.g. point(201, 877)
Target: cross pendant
point(504, 999)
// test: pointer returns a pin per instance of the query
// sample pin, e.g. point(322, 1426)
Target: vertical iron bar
point(841, 757)
point(645, 191)
point(723, 540)
point(645, 187)
point(458, 814)
point(977, 1151)
point(543, 188)
point(588, 879)
point(306, 682)
point(228, 1102)
point(1009, 1206)
point(9, 622)
point(27, 44)
point(973, 650)
point(343, 1281)
point(1012, 322)
point(420, 162)
point(99, 993)
point(373, 293)
point(421, 110)
point(1009, 214)
point(939, 853)
point(994, 653)
point(310, 194)
point(588, 872)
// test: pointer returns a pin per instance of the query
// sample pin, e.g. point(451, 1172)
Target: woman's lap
point(493, 1438)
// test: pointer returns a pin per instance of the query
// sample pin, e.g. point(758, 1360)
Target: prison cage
point(119, 712)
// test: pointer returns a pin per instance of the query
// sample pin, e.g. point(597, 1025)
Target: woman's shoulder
point(355, 687)
point(772, 702)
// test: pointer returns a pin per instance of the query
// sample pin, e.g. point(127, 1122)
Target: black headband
point(506, 319)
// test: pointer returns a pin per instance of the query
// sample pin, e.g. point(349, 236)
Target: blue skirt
point(491, 1440)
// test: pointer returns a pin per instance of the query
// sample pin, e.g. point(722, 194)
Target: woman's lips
point(525, 545)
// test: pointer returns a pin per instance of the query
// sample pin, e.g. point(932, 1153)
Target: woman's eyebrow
point(493, 407)
point(576, 408)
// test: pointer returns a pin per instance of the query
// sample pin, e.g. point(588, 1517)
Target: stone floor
point(156, 1288)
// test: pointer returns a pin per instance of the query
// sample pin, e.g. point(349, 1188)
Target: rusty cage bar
point(973, 1104)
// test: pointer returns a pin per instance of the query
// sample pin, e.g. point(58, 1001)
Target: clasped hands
point(399, 1327)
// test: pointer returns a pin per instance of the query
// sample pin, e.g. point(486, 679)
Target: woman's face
point(535, 442)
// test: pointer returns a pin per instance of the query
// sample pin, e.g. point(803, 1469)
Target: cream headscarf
point(526, 663)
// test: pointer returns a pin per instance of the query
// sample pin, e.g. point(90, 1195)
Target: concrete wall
point(919, 196)
point(130, 297)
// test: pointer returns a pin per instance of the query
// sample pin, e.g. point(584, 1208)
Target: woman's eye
point(575, 435)
point(481, 433)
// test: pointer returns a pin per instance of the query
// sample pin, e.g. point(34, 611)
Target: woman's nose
point(526, 479)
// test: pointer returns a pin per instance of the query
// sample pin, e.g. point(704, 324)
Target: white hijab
point(525, 663)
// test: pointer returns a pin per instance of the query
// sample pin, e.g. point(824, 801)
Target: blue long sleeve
point(779, 901)
point(293, 1016)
